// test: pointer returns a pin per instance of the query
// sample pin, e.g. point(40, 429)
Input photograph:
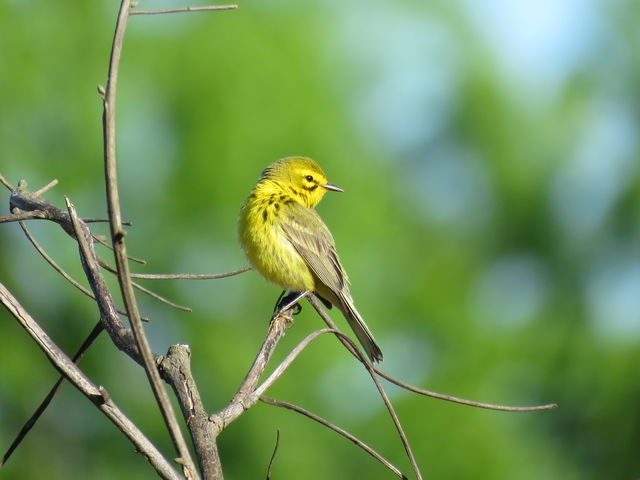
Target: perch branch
point(242, 400)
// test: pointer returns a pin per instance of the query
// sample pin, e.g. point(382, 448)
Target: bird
point(287, 242)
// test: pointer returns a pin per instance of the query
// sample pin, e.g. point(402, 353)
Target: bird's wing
point(312, 239)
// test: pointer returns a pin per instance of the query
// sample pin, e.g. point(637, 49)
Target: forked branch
point(98, 396)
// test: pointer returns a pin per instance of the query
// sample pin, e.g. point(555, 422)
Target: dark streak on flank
point(264, 214)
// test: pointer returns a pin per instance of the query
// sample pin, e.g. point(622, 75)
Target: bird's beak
point(328, 186)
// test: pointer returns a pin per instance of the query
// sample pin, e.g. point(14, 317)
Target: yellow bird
point(285, 239)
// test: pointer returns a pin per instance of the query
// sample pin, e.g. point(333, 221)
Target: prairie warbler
point(285, 239)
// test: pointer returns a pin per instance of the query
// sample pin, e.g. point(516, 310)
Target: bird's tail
point(360, 328)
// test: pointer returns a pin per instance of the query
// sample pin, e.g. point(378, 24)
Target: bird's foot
point(287, 305)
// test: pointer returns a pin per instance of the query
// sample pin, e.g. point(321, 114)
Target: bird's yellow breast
point(266, 244)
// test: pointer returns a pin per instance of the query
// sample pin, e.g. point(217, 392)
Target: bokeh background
point(490, 225)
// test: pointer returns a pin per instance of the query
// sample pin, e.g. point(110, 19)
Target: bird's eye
point(309, 178)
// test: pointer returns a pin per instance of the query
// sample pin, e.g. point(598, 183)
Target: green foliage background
point(490, 225)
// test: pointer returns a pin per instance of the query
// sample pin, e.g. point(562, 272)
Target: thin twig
point(97, 395)
point(47, 400)
point(335, 428)
point(48, 186)
point(21, 216)
point(428, 393)
point(120, 249)
point(104, 243)
point(279, 370)
point(188, 276)
point(104, 220)
point(273, 455)
point(6, 183)
point(354, 349)
point(183, 10)
point(142, 343)
point(121, 336)
point(158, 297)
point(464, 401)
point(57, 267)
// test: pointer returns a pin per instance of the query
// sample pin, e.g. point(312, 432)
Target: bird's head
point(301, 177)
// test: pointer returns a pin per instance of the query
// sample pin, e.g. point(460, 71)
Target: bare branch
point(273, 455)
point(463, 401)
point(158, 297)
point(184, 10)
point(21, 216)
point(121, 336)
point(6, 183)
point(188, 276)
point(57, 267)
point(120, 250)
point(279, 370)
point(104, 243)
point(450, 398)
point(365, 361)
point(98, 396)
point(175, 368)
point(47, 400)
point(104, 220)
point(335, 428)
point(47, 187)
point(242, 400)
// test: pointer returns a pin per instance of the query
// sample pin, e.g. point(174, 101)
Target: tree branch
point(188, 276)
point(449, 398)
point(370, 369)
point(120, 250)
point(57, 267)
point(47, 400)
point(97, 395)
point(175, 368)
point(335, 428)
point(184, 10)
